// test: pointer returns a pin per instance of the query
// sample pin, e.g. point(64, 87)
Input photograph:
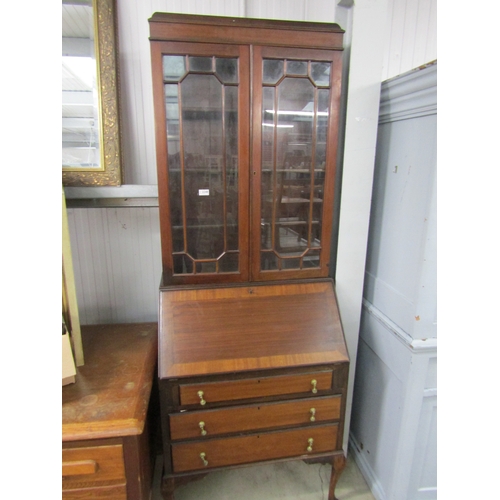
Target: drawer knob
point(313, 413)
point(310, 442)
point(313, 383)
point(202, 427)
point(203, 459)
point(202, 401)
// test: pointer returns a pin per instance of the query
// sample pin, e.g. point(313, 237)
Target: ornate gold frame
point(106, 39)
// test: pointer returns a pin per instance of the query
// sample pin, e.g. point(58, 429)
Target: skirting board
point(365, 469)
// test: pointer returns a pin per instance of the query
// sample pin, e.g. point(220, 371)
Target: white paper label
point(203, 192)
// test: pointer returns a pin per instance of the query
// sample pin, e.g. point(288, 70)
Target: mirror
point(91, 154)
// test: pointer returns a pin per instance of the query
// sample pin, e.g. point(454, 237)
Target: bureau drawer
point(93, 466)
point(253, 448)
point(230, 390)
point(253, 417)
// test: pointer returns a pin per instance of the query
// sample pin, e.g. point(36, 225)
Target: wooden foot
point(167, 488)
point(338, 465)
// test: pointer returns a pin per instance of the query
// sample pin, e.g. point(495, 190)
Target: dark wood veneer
point(252, 417)
point(234, 30)
point(248, 355)
point(235, 388)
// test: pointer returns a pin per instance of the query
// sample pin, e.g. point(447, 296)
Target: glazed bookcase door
point(295, 114)
point(202, 154)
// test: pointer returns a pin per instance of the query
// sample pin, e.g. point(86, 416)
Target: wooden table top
point(244, 328)
point(111, 395)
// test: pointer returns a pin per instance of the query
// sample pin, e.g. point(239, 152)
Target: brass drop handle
point(202, 456)
point(310, 441)
point(313, 383)
point(313, 413)
point(202, 427)
point(202, 401)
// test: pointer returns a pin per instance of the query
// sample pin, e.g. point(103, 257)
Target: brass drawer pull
point(313, 413)
point(202, 456)
point(313, 383)
point(202, 427)
point(310, 441)
point(202, 401)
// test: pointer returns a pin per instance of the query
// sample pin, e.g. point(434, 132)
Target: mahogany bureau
point(253, 365)
point(250, 374)
point(106, 432)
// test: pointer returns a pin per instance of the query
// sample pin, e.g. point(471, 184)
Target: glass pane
point(320, 73)
point(205, 267)
point(174, 164)
point(295, 150)
point(321, 128)
point(323, 103)
point(296, 67)
point(174, 67)
point(268, 131)
point(290, 263)
point(231, 178)
point(81, 128)
point(182, 264)
point(172, 106)
point(292, 235)
point(200, 64)
point(269, 261)
point(317, 220)
point(80, 133)
point(227, 69)
point(203, 174)
point(272, 70)
point(294, 174)
point(320, 159)
point(311, 259)
point(229, 263)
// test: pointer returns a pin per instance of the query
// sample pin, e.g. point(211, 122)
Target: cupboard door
point(295, 112)
point(202, 100)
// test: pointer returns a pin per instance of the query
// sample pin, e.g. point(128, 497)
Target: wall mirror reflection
point(90, 116)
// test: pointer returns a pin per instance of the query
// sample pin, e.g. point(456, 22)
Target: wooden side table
point(105, 428)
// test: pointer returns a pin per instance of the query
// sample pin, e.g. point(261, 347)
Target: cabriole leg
point(338, 465)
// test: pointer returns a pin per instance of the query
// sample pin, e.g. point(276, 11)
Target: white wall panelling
point(411, 37)
point(393, 429)
point(293, 10)
point(117, 263)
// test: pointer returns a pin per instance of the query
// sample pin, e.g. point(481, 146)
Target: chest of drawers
point(264, 381)
point(107, 418)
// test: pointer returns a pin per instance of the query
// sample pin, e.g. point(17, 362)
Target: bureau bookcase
point(253, 365)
